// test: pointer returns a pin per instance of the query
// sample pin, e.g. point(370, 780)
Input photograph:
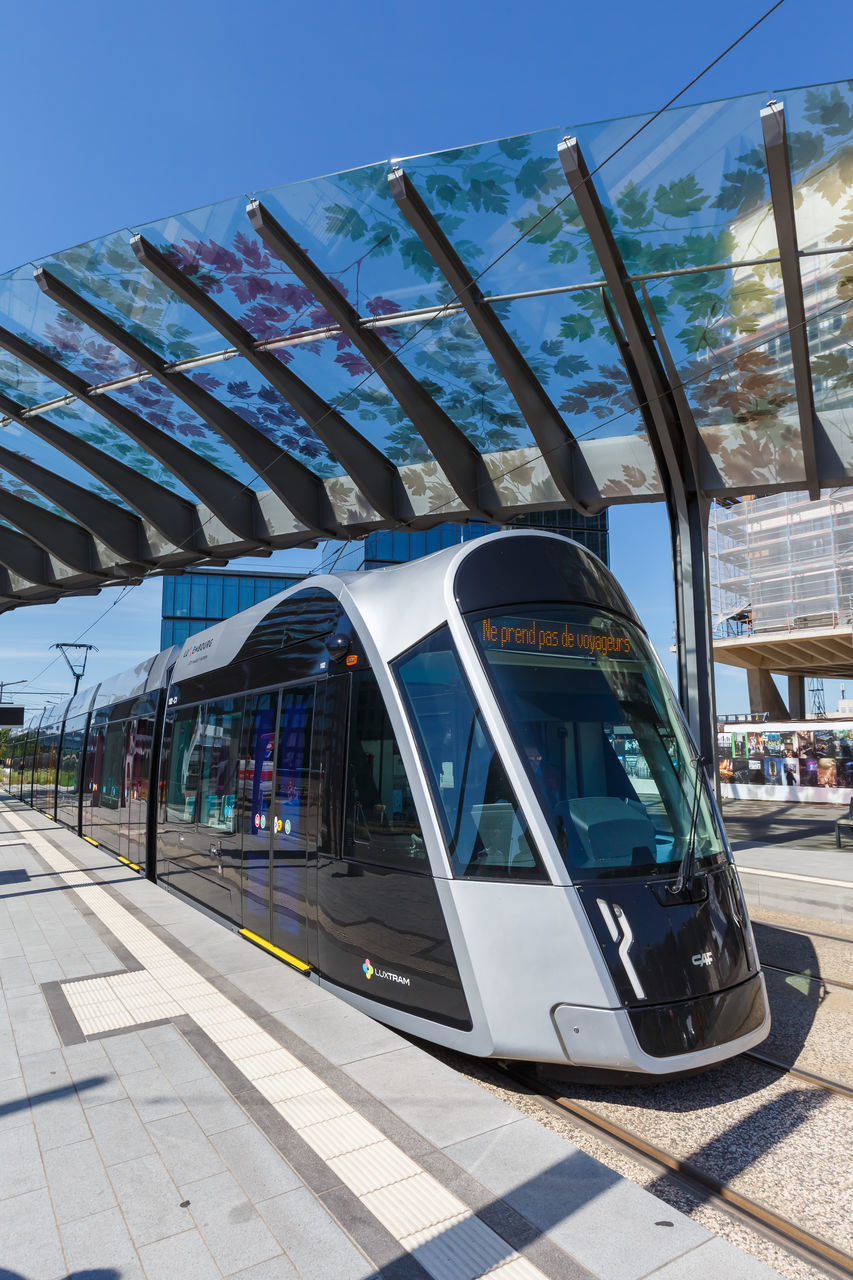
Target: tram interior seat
point(610, 829)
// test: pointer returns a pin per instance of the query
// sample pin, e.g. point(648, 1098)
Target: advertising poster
point(756, 771)
point(755, 744)
point(808, 772)
point(740, 769)
point(790, 772)
point(826, 776)
point(824, 743)
point(773, 771)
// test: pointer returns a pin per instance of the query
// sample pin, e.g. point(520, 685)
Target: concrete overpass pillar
point(797, 697)
point(764, 697)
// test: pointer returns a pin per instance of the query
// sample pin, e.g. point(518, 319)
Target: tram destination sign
point(544, 635)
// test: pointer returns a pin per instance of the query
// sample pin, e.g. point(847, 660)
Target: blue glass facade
point(196, 599)
point(395, 546)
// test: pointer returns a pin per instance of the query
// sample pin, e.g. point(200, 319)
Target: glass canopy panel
point(22, 441)
point(240, 386)
point(160, 409)
point(569, 345)
point(82, 421)
point(338, 372)
point(11, 484)
point(23, 385)
point(450, 361)
point(748, 389)
point(107, 273)
point(820, 140)
point(28, 312)
point(690, 190)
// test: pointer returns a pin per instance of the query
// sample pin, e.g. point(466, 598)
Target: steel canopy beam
point(673, 449)
point(555, 440)
point(299, 489)
point(167, 513)
point(782, 198)
point(456, 455)
point(120, 530)
point(229, 500)
point(375, 475)
point(61, 538)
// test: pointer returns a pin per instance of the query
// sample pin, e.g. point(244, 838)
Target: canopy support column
point(675, 448)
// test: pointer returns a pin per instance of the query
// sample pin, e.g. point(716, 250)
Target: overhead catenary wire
point(345, 396)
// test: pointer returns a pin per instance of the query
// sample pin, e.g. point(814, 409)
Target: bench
point(846, 823)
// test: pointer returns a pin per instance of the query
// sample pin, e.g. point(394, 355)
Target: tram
point(459, 793)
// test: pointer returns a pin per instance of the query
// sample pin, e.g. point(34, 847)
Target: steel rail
point(812, 977)
point(786, 1233)
point(809, 1077)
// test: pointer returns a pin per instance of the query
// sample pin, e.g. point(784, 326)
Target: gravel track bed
point(812, 1026)
point(810, 946)
point(658, 1114)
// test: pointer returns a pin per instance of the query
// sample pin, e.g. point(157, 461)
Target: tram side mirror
point(338, 646)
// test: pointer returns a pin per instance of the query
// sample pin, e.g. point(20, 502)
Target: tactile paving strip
point(426, 1219)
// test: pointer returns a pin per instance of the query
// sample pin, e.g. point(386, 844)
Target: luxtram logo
point(369, 971)
point(198, 648)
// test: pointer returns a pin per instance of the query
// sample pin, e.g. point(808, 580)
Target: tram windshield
point(602, 739)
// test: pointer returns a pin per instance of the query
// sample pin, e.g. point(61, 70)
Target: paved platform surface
point(177, 1105)
point(787, 858)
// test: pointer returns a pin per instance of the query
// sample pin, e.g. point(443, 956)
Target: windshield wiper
point(685, 871)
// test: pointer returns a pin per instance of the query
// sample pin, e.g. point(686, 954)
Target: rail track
point(788, 1235)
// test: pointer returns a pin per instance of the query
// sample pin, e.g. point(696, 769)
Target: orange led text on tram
point(542, 638)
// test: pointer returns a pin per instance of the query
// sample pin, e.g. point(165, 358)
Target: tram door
point(280, 827)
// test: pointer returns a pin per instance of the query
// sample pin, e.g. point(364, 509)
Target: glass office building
point(394, 546)
point(194, 600)
point(197, 598)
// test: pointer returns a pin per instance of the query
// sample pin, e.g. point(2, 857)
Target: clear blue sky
point(117, 115)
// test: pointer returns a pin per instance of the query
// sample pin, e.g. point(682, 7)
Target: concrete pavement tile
point(275, 1269)
point(178, 1061)
point(184, 1255)
point(312, 1239)
point(78, 1181)
point(149, 1199)
point(32, 1025)
point(29, 1239)
point(576, 1200)
point(151, 1094)
point(211, 1104)
point(340, 1033)
point(716, 1258)
point(255, 1163)
point(99, 1241)
point(14, 1105)
point(128, 1053)
point(119, 1132)
point(431, 1097)
point(232, 1230)
point(20, 1162)
point(59, 1117)
point(184, 1149)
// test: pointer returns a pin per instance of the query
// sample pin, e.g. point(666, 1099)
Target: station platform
point(177, 1103)
point(787, 858)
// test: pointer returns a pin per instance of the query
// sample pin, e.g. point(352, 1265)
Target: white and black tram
point(459, 793)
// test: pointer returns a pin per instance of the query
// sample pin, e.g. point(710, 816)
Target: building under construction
point(781, 570)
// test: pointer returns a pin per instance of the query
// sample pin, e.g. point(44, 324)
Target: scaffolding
point(781, 563)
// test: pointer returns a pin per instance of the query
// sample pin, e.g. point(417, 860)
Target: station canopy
point(480, 332)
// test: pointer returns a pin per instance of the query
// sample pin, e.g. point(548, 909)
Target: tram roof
point(531, 322)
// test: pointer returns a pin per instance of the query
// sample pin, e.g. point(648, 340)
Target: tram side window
point(112, 793)
point(486, 834)
point(184, 766)
point(381, 822)
point(220, 757)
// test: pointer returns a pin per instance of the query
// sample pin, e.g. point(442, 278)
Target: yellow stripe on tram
point(276, 951)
